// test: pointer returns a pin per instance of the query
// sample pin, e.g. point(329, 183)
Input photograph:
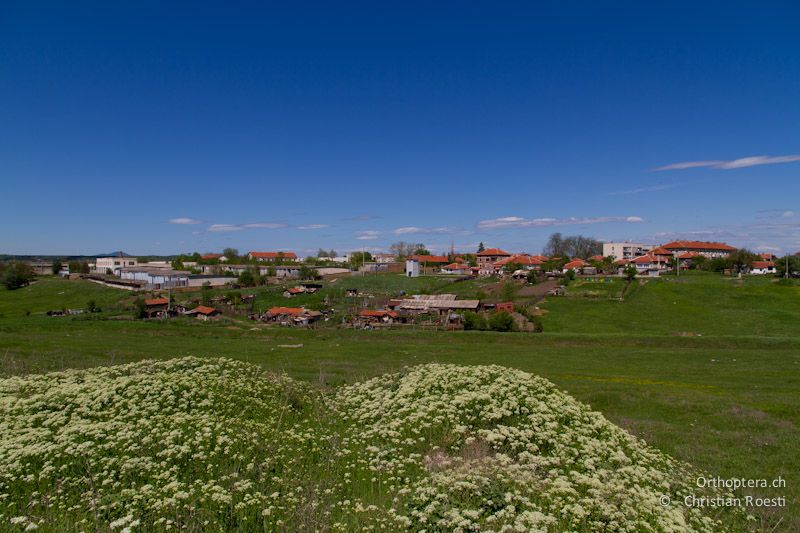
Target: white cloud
point(787, 214)
point(640, 190)
point(267, 225)
point(410, 230)
point(313, 226)
point(368, 235)
point(218, 228)
point(519, 222)
point(184, 221)
point(743, 162)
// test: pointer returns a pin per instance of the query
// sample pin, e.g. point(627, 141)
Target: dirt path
point(537, 292)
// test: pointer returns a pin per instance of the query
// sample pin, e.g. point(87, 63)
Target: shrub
point(17, 275)
point(501, 321)
point(475, 321)
point(139, 309)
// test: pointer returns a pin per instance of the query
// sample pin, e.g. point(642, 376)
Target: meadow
point(703, 368)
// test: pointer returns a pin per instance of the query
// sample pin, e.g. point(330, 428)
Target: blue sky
point(161, 129)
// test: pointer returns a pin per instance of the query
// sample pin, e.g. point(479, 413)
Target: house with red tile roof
point(708, 249)
point(214, 257)
point(651, 264)
point(292, 316)
point(433, 259)
point(763, 267)
point(487, 259)
point(203, 312)
point(523, 261)
point(272, 257)
point(575, 265)
point(456, 268)
point(376, 316)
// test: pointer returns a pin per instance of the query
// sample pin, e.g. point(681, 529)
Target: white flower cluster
point(172, 444)
point(487, 448)
point(215, 444)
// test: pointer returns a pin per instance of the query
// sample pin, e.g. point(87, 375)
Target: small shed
point(203, 312)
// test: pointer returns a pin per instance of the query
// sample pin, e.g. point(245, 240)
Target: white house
point(763, 267)
point(104, 265)
point(384, 258)
point(626, 250)
point(412, 268)
point(156, 278)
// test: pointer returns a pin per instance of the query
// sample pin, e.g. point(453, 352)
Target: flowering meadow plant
point(215, 444)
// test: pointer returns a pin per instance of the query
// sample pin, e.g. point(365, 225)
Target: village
point(488, 289)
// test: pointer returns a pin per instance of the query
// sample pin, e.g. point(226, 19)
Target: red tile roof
point(597, 258)
point(687, 255)
point(156, 301)
point(378, 314)
point(763, 264)
point(294, 311)
point(645, 259)
point(459, 260)
point(577, 263)
point(622, 261)
point(429, 258)
point(660, 251)
point(698, 245)
point(455, 266)
point(493, 252)
point(768, 256)
point(520, 259)
point(203, 310)
point(273, 255)
point(211, 256)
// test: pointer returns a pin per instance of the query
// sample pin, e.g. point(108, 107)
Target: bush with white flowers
point(215, 444)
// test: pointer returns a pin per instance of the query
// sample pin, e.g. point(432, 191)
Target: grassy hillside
point(697, 303)
point(726, 401)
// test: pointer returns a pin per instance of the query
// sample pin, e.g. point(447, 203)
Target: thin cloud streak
point(313, 226)
point(368, 235)
point(519, 222)
point(411, 230)
point(743, 162)
point(183, 221)
point(218, 228)
point(640, 190)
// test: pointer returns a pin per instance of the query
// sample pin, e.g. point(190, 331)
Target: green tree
point(481, 247)
point(205, 294)
point(139, 308)
point(308, 273)
point(232, 254)
point(793, 262)
point(629, 272)
point(17, 275)
point(246, 279)
point(508, 291)
point(56, 267)
point(233, 297)
point(475, 321)
point(501, 321)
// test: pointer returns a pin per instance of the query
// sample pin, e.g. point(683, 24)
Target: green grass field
point(703, 367)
